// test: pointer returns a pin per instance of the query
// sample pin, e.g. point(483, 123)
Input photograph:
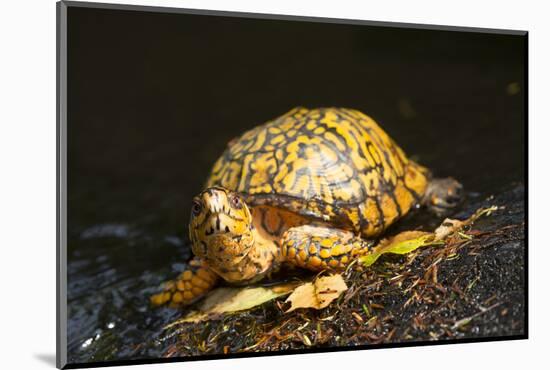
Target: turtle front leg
point(319, 248)
point(191, 285)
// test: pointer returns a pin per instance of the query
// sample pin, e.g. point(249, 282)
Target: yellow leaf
point(227, 300)
point(318, 294)
point(401, 243)
point(408, 241)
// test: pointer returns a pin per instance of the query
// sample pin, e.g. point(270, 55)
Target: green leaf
point(402, 243)
point(228, 300)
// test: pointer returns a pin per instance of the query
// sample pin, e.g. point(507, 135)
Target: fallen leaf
point(227, 300)
point(409, 241)
point(447, 227)
point(401, 243)
point(318, 294)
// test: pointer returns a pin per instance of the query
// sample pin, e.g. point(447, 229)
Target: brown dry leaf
point(447, 227)
point(318, 294)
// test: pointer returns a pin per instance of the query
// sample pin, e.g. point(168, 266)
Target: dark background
point(154, 98)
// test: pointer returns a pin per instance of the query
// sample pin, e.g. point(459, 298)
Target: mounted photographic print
point(236, 184)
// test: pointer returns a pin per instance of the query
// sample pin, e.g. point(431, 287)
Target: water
point(151, 106)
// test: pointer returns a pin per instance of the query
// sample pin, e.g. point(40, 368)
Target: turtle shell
point(332, 164)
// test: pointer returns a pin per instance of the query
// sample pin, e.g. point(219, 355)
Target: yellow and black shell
point(335, 165)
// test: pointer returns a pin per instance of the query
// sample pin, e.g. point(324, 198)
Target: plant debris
point(228, 300)
point(402, 243)
point(318, 294)
point(470, 285)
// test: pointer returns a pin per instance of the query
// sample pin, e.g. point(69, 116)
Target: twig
point(467, 320)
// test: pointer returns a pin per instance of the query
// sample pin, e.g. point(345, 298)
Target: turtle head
point(221, 227)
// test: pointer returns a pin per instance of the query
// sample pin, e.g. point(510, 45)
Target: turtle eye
point(235, 201)
point(196, 208)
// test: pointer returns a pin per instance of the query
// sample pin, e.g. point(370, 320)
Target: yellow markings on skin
point(197, 291)
point(187, 285)
point(291, 253)
point(284, 251)
point(274, 130)
point(187, 295)
point(303, 255)
point(177, 297)
point(333, 263)
point(234, 276)
point(180, 285)
point(344, 260)
point(314, 261)
point(326, 243)
point(197, 281)
point(301, 246)
point(187, 275)
point(291, 133)
point(324, 253)
point(312, 249)
point(339, 249)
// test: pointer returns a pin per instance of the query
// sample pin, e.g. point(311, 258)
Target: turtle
point(311, 189)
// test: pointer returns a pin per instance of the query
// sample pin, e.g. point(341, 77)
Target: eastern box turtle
point(312, 189)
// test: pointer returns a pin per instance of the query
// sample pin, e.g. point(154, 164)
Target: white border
point(27, 193)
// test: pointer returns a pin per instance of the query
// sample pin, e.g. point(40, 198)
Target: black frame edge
point(287, 17)
point(61, 217)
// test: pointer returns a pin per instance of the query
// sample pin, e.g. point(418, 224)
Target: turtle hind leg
point(319, 248)
point(191, 285)
point(443, 194)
